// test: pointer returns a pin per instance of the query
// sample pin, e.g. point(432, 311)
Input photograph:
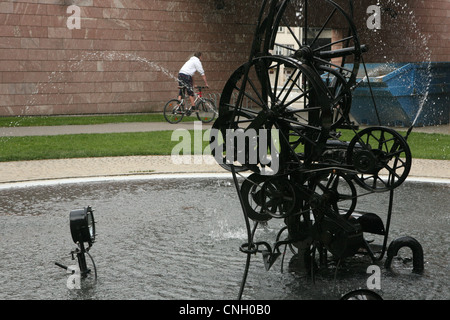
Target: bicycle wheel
point(207, 110)
point(173, 111)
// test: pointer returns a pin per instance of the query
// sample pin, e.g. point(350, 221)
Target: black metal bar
point(249, 233)
point(84, 271)
point(371, 91)
point(61, 265)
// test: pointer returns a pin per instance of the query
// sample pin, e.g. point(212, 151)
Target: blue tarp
point(409, 93)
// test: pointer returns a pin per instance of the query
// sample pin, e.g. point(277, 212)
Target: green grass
point(430, 146)
point(423, 145)
point(89, 145)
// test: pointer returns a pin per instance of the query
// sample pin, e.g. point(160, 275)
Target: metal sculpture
point(301, 100)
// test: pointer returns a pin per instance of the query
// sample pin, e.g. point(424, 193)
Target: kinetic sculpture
point(300, 100)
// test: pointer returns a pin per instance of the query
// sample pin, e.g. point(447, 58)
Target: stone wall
point(126, 54)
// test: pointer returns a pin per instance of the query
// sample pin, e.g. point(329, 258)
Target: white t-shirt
point(191, 66)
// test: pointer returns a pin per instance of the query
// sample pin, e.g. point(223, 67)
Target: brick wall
point(127, 54)
point(433, 18)
point(411, 30)
point(125, 57)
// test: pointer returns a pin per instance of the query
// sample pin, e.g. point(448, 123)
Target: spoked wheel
point(267, 197)
point(339, 190)
point(325, 38)
point(207, 110)
point(278, 197)
point(173, 111)
point(259, 97)
point(381, 156)
point(362, 294)
point(252, 194)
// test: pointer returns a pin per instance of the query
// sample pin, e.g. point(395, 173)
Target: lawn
point(423, 145)
point(88, 145)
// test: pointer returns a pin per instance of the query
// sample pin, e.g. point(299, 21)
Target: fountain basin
point(171, 239)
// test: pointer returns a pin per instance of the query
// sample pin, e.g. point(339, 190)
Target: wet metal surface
point(180, 238)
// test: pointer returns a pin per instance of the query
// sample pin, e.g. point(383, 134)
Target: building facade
point(123, 56)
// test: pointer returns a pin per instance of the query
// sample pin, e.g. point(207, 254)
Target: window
point(278, 50)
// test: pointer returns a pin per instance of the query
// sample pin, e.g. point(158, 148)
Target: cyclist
point(185, 76)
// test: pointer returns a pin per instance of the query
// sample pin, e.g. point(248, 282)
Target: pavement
point(142, 127)
point(108, 167)
point(98, 128)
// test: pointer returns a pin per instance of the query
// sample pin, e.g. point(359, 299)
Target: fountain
point(323, 208)
point(314, 192)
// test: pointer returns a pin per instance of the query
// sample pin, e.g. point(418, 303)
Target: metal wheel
point(267, 197)
point(206, 110)
point(173, 111)
point(278, 197)
point(339, 190)
point(252, 194)
point(324, 35)
point(256, 97)
point(361, 294)
point(382, 158)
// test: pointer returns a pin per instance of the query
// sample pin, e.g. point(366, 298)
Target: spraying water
point(401, 19)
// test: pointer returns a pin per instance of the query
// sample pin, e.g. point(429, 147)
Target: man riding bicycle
point(185, 76)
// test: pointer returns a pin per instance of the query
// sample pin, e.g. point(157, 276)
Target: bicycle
point(175, 109)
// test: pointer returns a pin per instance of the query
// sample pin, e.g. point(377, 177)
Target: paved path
point(141, 127)
point(20, 171)
point(97, 128)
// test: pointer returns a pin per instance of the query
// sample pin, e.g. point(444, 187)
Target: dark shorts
point(185, 80)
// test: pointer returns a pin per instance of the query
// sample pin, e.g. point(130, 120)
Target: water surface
point(180, 238)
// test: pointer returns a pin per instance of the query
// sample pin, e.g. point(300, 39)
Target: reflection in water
point(180, 238)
